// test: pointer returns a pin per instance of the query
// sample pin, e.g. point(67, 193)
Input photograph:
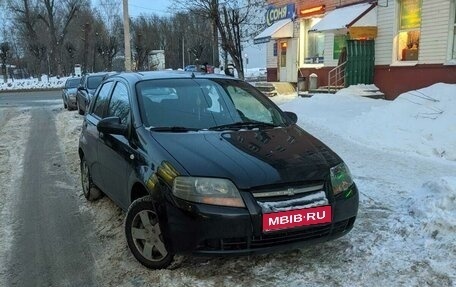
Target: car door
point(91, 133)
point(115, 150)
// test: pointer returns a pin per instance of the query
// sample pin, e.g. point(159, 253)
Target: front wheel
point(144, 236)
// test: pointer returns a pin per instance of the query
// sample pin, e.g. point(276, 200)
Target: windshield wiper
point(173, 129)
point(240, 125)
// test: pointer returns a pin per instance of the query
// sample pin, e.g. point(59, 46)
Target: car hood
point(251, 158)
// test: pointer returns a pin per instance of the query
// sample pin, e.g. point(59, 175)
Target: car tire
point(79, 109)
point(90, 191)
point(65, 106)
point(144, 237)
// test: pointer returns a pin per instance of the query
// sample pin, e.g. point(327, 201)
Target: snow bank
point(420, 122)
point(435, 205)
point(31, 84)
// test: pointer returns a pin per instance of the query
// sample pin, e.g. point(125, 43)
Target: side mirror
point(292, 117)
point(112, 125)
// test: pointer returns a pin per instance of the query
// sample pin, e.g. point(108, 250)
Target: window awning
point(358, 15)
point(278, 30)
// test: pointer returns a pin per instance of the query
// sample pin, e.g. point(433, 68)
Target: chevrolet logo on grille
point(290, 192)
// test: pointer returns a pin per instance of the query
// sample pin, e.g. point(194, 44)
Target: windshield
point(204, 104)
point(72, 83)
point(94, 81)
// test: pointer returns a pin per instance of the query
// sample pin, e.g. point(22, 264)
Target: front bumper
point(217, 230)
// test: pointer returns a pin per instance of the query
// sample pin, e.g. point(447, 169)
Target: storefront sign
point(363, 32)
point(274, 14)
point(410, 14)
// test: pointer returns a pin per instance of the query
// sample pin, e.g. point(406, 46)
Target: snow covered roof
point(363, 14)
point(280, 29)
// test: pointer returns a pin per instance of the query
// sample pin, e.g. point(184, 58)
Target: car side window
point(119, 105)
point(102, 99)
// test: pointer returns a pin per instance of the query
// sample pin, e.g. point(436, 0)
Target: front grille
point(276, 238)
point(273, 194)
point(291, 197)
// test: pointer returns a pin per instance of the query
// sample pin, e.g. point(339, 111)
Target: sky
point(255, 53)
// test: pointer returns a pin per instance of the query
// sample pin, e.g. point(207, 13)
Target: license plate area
point(296, 218)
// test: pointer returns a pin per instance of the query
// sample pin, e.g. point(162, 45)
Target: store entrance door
point(288, 61)
point(360, 62)
point(283, 61)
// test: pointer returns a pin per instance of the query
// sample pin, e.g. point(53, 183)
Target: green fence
point(360, 62)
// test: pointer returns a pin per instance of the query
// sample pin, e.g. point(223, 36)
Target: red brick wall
point(393, 81)
point(272, 75)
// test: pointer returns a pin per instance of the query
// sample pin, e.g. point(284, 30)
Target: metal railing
point(336, 77)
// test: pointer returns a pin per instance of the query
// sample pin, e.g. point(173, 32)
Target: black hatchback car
point(208, 165)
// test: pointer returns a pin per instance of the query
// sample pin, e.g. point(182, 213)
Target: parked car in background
point(190, 68)
point(69, 93)
point(89, 83)
point(207, 164)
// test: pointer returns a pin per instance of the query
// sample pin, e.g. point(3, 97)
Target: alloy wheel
point(147, 237)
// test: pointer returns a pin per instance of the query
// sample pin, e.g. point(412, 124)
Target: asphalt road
point(51, 245)
point(30, 99)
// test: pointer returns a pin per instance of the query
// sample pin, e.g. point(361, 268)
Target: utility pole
point(215, 46)
point(126, 20)
point(85, 62)
point(183, 52)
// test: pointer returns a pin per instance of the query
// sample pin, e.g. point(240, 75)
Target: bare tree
point(4, 55)
point(57, 16)
point(232, 19)
point(44, 25)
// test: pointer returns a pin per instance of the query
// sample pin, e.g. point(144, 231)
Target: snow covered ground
point(32, 84)
point(57, 83)
point(402, 157)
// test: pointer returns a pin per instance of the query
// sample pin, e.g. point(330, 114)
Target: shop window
point(408, 39)
point(340, 41)
point(314, 43)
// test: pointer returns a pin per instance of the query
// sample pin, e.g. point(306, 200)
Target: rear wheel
point(79, 108)
point(91, 192)
point(144, 236)
point(65, 106)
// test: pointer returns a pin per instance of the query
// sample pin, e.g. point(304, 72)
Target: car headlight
point(341, 179)
point(216, 191)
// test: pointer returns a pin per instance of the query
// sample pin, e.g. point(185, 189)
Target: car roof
point(74, 78)
point(159, 75)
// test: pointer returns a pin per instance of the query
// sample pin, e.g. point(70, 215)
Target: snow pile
point(32, 84)
point(420, 122)
point(255, 73)
point(435, 204)
point(361, 90)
